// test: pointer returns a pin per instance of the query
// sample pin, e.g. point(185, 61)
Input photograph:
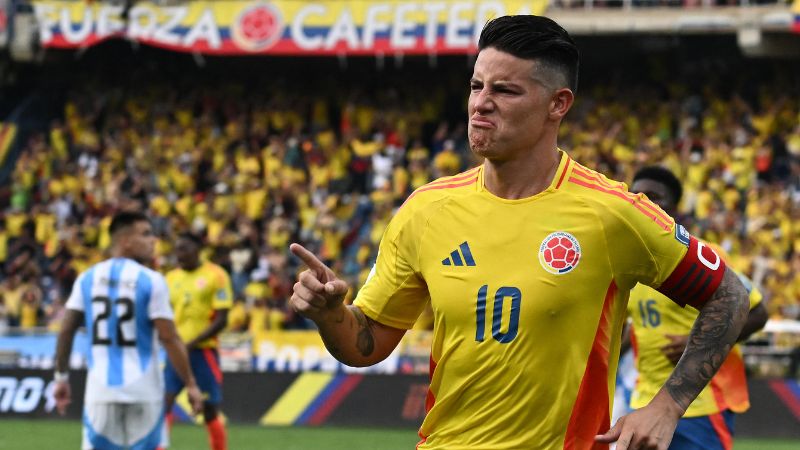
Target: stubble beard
point(480, 143)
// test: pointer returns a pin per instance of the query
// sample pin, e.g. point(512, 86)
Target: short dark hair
point(193, 238)
point(536, 38)
point(661, 175)
point(125, 219)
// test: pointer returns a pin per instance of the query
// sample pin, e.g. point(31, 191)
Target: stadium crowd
point(252, 169)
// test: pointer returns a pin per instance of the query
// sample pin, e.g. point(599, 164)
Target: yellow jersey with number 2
point(195, 295)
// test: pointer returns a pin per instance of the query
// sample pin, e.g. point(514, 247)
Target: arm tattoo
point(713, 335)
point(366, 341)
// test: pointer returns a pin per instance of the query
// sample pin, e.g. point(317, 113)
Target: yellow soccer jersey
point(653, 317)
point(195, 295)
point(528, 297)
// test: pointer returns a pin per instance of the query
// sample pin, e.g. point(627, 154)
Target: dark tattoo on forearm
point(333, 350)
point(713, 335)
point(365, 341)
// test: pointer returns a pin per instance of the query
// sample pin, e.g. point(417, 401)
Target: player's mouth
point(481, 122)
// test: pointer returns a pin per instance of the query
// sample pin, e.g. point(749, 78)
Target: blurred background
point(255, 124)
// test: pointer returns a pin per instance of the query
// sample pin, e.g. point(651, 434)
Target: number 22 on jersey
point(113, 317)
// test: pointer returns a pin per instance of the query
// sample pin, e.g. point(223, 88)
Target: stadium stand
point(254, 152)
point(253, 163)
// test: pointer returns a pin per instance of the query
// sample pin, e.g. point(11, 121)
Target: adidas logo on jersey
point(462, 256)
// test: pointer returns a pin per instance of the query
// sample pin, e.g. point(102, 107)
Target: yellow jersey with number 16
point(653, 317)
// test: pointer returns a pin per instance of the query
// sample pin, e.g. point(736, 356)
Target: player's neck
point(517, 179)
point(120, 253)
point(191, 267)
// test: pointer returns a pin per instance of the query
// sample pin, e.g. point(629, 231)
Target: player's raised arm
point(349, 335)
point(714, 333)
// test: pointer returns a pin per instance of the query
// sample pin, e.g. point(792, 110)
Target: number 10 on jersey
point(500, 297)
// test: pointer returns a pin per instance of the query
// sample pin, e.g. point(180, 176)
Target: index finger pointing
point(310, 260)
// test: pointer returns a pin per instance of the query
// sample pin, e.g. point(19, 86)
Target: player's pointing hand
point(318, 290)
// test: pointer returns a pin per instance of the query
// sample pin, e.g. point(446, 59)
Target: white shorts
point(112, 426)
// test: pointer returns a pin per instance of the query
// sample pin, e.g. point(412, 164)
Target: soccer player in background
point(527, 261)
point(201, 294)
point(125, 307)
point(660, 333)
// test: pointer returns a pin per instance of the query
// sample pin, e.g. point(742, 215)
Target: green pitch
point(55, 434)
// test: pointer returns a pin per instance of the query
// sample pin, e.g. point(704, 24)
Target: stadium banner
point(796, 14)
point(351, 400)
point(29, 393)
point(303, 351)
point(269, 351)
point(5, 21)
point(280, 27)
point(37, 351)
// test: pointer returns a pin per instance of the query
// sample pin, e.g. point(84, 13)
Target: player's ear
point(560, 103)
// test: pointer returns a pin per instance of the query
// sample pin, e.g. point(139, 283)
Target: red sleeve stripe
point(439, 186)
point(563, 173)
point(684, 286)
point(462, 176)
point(666, 226)
point(634, 197)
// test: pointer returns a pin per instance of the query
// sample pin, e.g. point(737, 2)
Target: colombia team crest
point(559, 253)
point(258, 27)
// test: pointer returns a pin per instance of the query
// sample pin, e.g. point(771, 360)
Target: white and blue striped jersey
point(120, 298)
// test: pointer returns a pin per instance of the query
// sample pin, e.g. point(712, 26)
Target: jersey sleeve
point(395, 292)
point(223, 292)
point(754, 294)
point(75, 300)
point(647, 246)
point(159, 307)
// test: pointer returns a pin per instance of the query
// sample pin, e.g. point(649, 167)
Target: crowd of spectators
point(252, 168)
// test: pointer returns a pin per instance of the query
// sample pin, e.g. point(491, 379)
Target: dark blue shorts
point(714, 432)
point(205, 365)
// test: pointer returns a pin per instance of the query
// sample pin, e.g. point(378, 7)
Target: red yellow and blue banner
point(304, 351)
point(796, 14)
point(788, 391)
point(280, 27)
point(311, 399)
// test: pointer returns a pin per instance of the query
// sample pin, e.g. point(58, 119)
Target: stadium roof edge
point(768, 18)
